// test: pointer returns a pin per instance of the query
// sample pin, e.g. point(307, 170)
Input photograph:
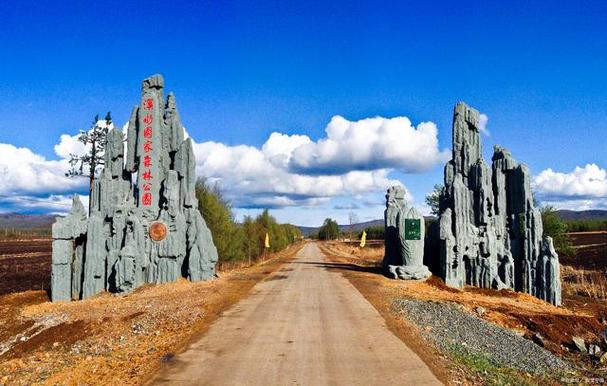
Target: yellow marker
point(363, 239)
point(267, 243)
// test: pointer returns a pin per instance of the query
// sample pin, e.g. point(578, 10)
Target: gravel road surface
point(304, 325)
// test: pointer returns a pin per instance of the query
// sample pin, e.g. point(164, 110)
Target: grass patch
point(486, 369)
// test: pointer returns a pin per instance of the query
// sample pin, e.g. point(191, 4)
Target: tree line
point(586, 225)
point(328, 231)
point(240, 241)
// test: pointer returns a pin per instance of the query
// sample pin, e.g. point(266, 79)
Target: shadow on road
point(343, 266)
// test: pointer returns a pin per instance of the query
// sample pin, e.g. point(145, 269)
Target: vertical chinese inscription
point(148, 171)
point(148, 131)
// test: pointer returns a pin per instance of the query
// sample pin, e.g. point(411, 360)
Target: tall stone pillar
point(490, 231)
point(150, 231)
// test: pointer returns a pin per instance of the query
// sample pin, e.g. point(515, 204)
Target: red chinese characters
point(148, 104)
point(146, 199)
point(147, 146)
point(148, 133)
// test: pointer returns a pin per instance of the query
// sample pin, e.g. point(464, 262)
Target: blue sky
point(243, 70)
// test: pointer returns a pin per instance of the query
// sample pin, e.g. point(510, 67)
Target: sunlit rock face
point(144, 231)
point(404, 238)
point(491, 234)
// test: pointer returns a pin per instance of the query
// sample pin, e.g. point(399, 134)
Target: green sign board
point(412, 229)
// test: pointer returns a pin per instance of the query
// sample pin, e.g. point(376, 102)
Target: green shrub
point(373, 233)
point(235, 241)
point(557, 229)
point(329, 230)
point(217, 213)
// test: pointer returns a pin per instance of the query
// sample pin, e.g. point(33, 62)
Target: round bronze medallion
point(158, 231)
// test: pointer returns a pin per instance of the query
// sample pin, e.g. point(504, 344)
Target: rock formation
point(404, 238)
point(69, 237)
point(150, 231)
point(491, 234)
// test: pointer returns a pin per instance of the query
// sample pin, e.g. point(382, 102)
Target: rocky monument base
point(404, 238)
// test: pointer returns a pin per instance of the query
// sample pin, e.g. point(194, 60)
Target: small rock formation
point(579, 344)
point(149, 231)
point(594, 350)
point(491, 234)
point(69, 237)
point(404, 238)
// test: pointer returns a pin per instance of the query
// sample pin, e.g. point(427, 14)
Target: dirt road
point(304, 325)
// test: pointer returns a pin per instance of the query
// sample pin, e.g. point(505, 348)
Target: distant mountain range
point(563, 214)
point(583, 214)
point(30, 221)
point(26, 221)
point(307, 231)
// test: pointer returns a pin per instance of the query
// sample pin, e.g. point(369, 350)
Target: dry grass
point(229, 266)
point(583, 282)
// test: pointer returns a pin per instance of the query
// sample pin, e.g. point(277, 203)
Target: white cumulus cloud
point(279, 147)
point(581, 189)
point(23, 171)
point(31, 182)
point(483, 119)
point(70, 144)
point(370, 144)
point(582, 182)
point(52, 203)
point(355, 159)
point(254, 177)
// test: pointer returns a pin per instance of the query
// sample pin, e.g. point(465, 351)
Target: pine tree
point(86, 165)
point(433, 199)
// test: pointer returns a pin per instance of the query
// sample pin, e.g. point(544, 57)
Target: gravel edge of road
point(455, 331)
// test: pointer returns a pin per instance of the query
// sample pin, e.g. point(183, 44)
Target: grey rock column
point(552, 273)
point(202, 254)
point(65, 232)
point(96, 255)
point(490, 231)
point(147, 232)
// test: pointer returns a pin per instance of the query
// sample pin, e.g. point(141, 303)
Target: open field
point(591, 250)
point(585, 274)
point(25, 264)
